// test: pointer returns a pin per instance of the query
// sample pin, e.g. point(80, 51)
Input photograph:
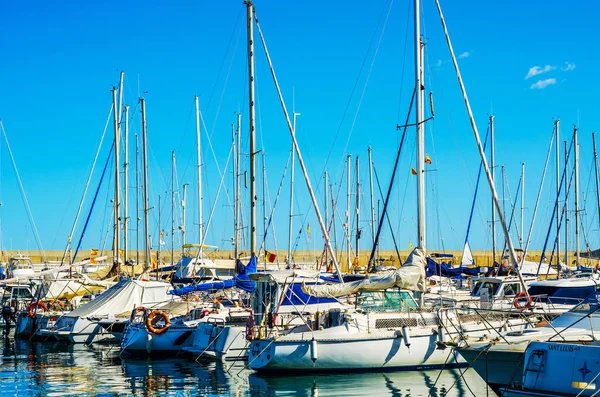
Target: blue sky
point(528, 63)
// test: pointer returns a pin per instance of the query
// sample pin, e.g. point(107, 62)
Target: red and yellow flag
point(427, 159)
point(271, 256)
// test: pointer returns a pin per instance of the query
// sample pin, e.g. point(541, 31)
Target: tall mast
point(576, 159)
point(289, 255)
point(326, 215)
point(233, 173)
point(238, 184)
point(183, 213)
point(252, 111)
point(566, 205)
point(137, 202)
point(420, 87)
point(357, 210)
point(596, 171)
point(557, 129)
point(264, 203)
point(199, 163)
point(492, 165)
point(117, 182)
point(126, 187)
point(522, 204)
point(172, 208)
point(348, 193)
point(148, 254)
point(372, 196)
point(160, 239)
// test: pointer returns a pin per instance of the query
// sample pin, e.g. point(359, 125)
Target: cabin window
point(386, 301)
point(511, 289)
point(491, 286)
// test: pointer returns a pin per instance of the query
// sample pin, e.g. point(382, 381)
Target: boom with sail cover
point(410, 276)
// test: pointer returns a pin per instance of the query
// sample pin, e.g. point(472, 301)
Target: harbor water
point(57, 369)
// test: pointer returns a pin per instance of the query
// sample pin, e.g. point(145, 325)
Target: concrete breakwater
point(386, 257)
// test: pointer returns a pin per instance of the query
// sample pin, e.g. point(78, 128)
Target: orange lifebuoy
point(153, 319)
point(54, 302)
point(519, 297)
point(33, 307)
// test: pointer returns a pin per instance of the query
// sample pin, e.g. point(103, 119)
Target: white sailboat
point(394, 330)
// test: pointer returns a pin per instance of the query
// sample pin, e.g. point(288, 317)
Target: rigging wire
point(23, 195)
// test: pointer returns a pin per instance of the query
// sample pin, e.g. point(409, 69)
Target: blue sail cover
point(241, 281)
point(446, 270)
point(295, 296)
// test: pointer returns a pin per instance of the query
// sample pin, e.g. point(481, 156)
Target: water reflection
point(57, 369)
point(397, 384)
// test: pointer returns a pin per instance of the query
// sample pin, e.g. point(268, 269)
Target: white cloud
point(568, 66)
point(541, 84)
point(534, 71)
point(465, 54)
point(439, 63)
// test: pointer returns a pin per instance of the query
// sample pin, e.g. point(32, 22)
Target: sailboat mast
point(326, 184)
point(596, 172)
point(264, 203)
point(199, 175)
point(117, 182)
point(137, 202)
point(566, 205)
point(172, 208)
point(522, 204)
point(557, 130)
point(160, 239)
point(492, 168)
point(357, 210)
point(252, 124)
point(420, 86)
point(183, 214)
point(238, 184)
point(148, 254)
point(126, 187)
point(290, 225)
point(576, 159)
point(348, 212)
point(372, 196)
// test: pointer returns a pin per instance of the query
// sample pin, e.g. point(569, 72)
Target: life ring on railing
point(56, 303)
point(136, 311)
point(519, 297)
point(33, 306)
point(154, 318)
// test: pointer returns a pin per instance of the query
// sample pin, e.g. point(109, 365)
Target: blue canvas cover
point(241, 281)
point(446, 270)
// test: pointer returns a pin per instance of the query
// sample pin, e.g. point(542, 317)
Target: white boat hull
point(385, 351)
